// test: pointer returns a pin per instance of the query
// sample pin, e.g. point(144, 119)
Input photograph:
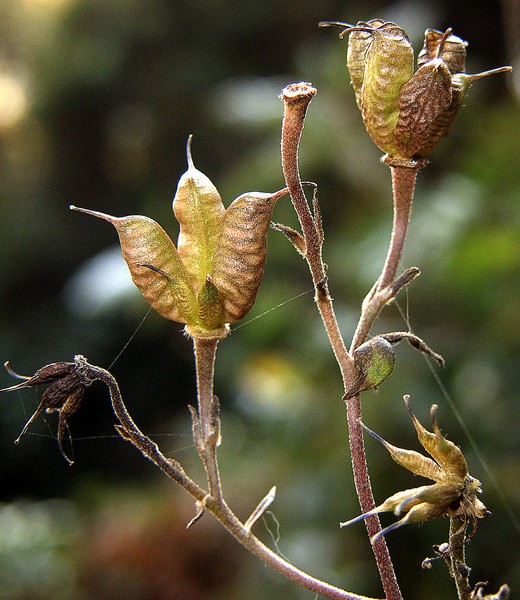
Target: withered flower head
point(211, 278)
point(407, 113)
point(454, 492)
point(64, 395)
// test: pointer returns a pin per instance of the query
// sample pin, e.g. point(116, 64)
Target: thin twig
point(130, 432)
point(459, 569)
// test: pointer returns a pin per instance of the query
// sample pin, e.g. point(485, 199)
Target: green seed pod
point(389, 65)
point(450, 48)
point(374, 361)
point(199, 210)
point(358, 42)
point(210, 307)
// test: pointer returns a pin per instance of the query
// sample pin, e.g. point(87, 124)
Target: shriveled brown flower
point(454, 492)
point(64, 395)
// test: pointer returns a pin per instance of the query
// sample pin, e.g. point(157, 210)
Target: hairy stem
point(129, 431)
point(404, 174)
point(459, 569)
point(208, 425)
point(296, 98)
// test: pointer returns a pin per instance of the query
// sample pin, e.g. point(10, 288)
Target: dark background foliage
point(97, 99)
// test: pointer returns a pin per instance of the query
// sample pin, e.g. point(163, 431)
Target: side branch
point(217, 506)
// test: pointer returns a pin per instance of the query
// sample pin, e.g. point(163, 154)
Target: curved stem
point(296, 98)
point(404, 175)
point(403, 184)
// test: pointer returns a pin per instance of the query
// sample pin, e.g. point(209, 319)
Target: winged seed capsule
point(405, 113)
point(211, 278)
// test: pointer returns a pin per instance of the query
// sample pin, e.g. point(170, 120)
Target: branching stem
point(216, 505)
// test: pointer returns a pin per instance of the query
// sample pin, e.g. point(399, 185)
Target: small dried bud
point(211, 278)
point(64, 394)
point(454, 492)
point(406, 113)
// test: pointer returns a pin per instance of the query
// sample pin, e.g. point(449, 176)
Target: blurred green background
point(97, 99)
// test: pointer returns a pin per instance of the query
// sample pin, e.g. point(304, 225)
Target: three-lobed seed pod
point(211, 278)
point(407, 113)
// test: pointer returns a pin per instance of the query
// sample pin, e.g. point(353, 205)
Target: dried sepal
point(454, 491)
point(64, 395)
point(295, 237)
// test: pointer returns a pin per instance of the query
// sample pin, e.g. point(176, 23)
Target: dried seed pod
point(389, 65)
point(241, 250)
point(406, 115)
point(450, 48)
point(422, 99)
point(211, 278)
point(454, 492)
point(64, 394)
point(155, 265)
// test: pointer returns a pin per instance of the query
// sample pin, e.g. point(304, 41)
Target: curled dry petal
point(454, 492)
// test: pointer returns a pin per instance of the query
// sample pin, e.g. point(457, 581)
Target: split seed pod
point(405, 113)
point(211, 278)
point(454, 492)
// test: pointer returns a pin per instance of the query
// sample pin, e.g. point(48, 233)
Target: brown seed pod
point(425, 97)
point(240, 253)
point(451, 48)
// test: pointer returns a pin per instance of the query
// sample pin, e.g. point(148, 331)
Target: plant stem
point(459, 569)
point(209, 420)
point(129, 431)
point(296, 98)
point(404, 175)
